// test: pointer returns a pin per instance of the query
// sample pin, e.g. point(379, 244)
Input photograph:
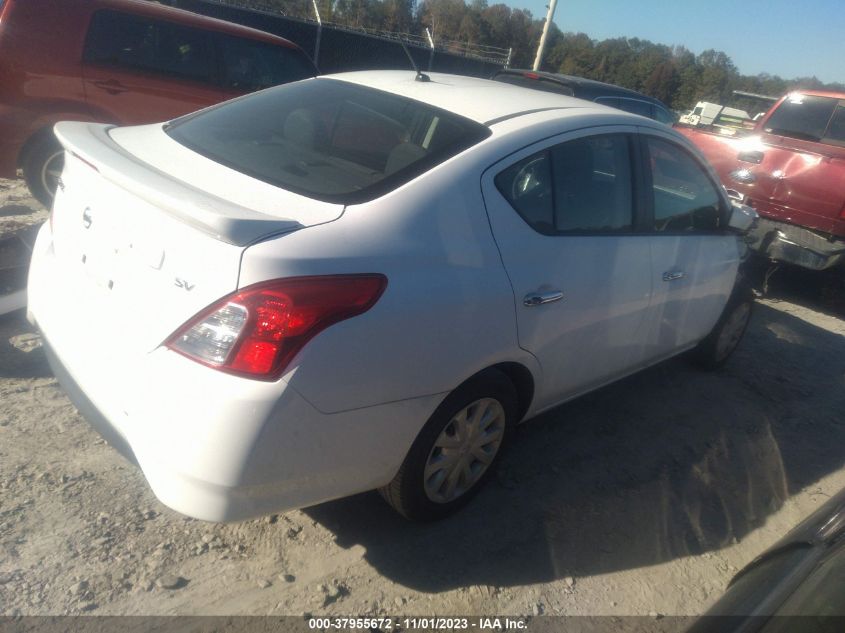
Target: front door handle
point(672, 275)
point(539, 298)
point(112, 86)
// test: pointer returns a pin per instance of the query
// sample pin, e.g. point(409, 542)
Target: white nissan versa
point(366, 280)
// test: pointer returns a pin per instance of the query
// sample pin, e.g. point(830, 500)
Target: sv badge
point(181, 283)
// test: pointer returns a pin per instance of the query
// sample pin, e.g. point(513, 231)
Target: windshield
point(328, 139)
point(802, 117)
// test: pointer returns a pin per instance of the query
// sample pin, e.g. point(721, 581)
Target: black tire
point(41, 159)
point(714, 350)
point(407, 492)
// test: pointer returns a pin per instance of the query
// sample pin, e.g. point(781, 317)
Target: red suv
point(119, 61)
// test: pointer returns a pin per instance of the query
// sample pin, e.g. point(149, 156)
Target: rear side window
point(581, 186)
point(136, 42)
point(251, 64)
point(328, 139)
point(527, 185)
point(663, 116)
point(685, 199)
point(802, 117)
point(635, 106)
point(613, 102)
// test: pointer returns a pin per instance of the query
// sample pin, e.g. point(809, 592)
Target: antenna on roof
point(420, 76)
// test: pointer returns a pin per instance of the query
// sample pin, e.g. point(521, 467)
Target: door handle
point(673, 275)
point(112, 86)
point(539, 298)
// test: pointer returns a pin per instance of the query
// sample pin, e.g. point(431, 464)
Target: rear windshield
point(328, 139)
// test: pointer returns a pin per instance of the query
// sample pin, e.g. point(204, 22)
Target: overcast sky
point(790, 38)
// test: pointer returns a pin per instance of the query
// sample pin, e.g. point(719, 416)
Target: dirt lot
point(642, 498)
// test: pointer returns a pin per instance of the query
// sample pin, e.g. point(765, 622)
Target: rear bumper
point(796, 245)
point(211, 445)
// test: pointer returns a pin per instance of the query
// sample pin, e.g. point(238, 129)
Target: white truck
point(706, 114)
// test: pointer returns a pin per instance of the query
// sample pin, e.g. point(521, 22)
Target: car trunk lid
point(140, 250)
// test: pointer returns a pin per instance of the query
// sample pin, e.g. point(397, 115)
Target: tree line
point(673, 74)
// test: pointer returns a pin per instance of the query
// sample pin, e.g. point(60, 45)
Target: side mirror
point(743, 218)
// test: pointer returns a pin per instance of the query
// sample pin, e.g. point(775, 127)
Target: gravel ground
point(642, 498)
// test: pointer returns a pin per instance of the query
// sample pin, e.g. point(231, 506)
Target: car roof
point(480, 100)
point(589, 88)
point(188, 18)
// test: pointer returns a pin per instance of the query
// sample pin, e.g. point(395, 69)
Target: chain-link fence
point(339, 47)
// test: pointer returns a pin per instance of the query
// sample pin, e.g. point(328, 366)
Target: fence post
point(319, 33)
point(508, 60)
point(431, 44)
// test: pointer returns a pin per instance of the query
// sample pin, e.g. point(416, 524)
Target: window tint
point(527, 185)
point(251, 65)
point(685, 199)
point(328, 139)
point(579, 186)
point(802, 117)
point(592, 184)
point(151, 45)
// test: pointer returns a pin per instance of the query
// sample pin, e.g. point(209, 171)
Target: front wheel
point(715, 350)
point(42, 167)
point(456, 450)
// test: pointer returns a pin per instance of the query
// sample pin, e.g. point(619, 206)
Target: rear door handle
point(539, 298)
point(672, 275)
point(112, 86)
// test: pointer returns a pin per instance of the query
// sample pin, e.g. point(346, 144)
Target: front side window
point(802, 117)
point(684, 197)
point(327, 139)
point(139, 43)
point(581, 186)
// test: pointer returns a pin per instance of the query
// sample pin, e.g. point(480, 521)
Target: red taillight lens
point(257, 331)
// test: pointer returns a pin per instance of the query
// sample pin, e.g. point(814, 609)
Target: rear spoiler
point(219, 218)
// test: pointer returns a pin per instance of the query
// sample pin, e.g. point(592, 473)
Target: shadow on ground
point(667, 463)
point(14, 362)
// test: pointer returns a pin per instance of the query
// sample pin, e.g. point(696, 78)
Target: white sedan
point(365, 281)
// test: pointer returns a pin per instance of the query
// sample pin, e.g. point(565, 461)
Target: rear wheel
point(456, 450)
point(42, 166)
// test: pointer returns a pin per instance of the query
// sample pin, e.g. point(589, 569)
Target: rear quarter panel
point(447, 312)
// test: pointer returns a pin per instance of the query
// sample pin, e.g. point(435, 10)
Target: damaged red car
point(791, 169)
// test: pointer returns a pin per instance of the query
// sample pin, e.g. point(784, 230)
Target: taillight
point(842, 213)
point(257, 331)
